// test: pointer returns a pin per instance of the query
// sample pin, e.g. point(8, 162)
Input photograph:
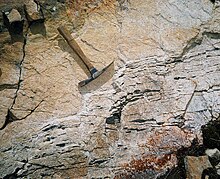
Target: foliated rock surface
point(166, 85)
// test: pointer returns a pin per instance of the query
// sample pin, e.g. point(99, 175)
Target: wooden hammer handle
point(76, 48)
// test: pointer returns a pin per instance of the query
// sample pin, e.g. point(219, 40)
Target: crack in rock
point(20, 72)
point(11, 117)
point(32, 18)
point(8, 86)
point(123, 101)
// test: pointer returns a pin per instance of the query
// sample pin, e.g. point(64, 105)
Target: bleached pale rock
point(165, 87)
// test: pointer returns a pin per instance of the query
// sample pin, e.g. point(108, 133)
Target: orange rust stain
point(149, 162)
point(170, 139)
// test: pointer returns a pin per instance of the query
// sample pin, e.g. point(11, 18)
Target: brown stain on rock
point(150, 162)
point(147, 162)
point(168, 142)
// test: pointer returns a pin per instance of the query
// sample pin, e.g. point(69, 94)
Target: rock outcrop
point(166, 86)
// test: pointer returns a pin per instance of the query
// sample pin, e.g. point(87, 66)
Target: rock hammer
point(94, 73)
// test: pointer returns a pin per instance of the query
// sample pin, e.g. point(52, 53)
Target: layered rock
point(165, 87)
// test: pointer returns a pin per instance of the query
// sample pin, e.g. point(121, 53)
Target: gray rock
point(213, 153)
point(218, 168)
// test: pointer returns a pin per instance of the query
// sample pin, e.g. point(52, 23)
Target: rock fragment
point(33, 11)
point(213, 153)
point(196, 165)
point(14, 23)
point(13, 16)
point(218, 168)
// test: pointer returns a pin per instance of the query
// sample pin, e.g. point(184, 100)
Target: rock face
point(166, 85)
point(196, 165)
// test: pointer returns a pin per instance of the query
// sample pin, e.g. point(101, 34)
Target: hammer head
point(96, 75)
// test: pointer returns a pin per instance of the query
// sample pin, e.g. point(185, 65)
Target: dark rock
point(14, 23)
point(211, 135)
point(115, 118)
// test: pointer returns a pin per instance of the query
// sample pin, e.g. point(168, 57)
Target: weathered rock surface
point(213, 153)
point(14, 16)
point(33, 11)
point(165, 87)
point(196, 165)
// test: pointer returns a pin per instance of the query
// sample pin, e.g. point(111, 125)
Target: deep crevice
point(114, 119)
point(20, 71)
point(10, 117)
point(15, 29)
point(211, 134)
point(61, 145)
point(8, 86)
